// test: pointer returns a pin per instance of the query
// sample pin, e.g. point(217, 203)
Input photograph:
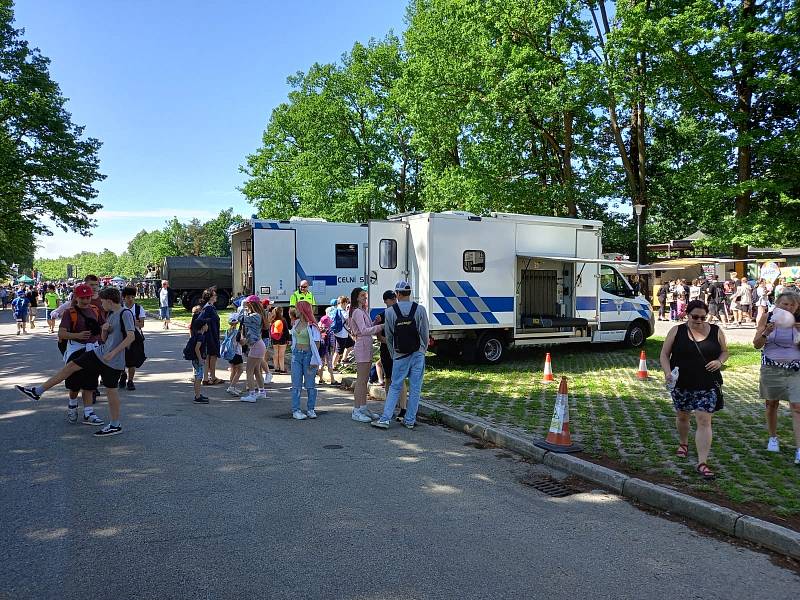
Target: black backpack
point(134, 353)
point(406, 334)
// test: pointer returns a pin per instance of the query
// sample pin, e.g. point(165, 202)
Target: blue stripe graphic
point(500, 304)
point(444, 305)
point(586, 303)
point(443, 318)
point(445, 289)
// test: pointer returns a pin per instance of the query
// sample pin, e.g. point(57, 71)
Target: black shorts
point(83, 379)
point(236, 360)
point(386, 361)
point(91, 364)
point(343, 343)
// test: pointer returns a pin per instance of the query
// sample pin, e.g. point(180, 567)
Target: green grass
point(179, 313)
point(619, 417)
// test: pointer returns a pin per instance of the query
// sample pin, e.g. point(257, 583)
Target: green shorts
point(776, 383)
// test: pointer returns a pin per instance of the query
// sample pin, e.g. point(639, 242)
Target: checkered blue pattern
point(461, 304)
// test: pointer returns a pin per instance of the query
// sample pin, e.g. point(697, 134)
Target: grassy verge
point(179, 313)
point(631, 422)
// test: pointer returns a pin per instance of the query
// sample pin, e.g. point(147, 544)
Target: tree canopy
point(563, 107)
point(48, 169)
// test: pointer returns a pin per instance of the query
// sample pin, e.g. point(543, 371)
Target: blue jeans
point(413, 367)
point(303, 374)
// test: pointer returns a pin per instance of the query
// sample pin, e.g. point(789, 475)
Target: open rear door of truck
point(274, 253)
point(388, 259)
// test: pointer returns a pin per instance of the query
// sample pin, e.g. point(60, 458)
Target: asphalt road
point(233, 500)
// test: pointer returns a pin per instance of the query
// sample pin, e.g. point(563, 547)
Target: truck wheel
point(190, 300)
point(636, 335)
point(186, 302)
point(223, 299)
point(490, 348)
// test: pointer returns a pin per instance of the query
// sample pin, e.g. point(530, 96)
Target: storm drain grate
point(549, 486)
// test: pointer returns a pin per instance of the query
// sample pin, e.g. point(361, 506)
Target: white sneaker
point(72, 415)
point(249, 398)
point(797, 457)
point(268, 377)
point(311, 414)
point(298, 414)
point(359, 416)
point(262, 393)
point(773, 445)
point(233, 391)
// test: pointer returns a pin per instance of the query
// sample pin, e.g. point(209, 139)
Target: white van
point(270, 258)
point(489, 283)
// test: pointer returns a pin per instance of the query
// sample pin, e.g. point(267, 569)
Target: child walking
point(20, 306)
point(327, 348)
point(195, 351)
point(234, 333)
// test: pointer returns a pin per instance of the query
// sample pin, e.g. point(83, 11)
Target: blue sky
point(179, 92)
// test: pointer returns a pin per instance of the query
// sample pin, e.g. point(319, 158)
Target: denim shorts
point(164, 310)
point(197, 366)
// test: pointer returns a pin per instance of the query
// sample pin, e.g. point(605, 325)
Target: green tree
point(340, 146)
point(216, 233)
point(47, 169)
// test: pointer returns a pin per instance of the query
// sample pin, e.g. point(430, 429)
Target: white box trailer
point(270, 258)
point(489, 283)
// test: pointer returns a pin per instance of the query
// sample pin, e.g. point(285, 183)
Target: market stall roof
point(25, 279)
point(685, 243)
point(679, 263)
point(604, 261)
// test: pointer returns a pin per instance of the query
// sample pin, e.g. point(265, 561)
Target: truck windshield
point(613, 283)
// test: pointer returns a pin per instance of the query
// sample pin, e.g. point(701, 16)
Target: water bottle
point(670, 385)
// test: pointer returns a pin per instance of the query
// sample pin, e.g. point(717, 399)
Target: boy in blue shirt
point(20, 306)
point(195, 351)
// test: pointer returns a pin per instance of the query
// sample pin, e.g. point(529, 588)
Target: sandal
point(705, 472)
point(683, 451)
point(215, 381)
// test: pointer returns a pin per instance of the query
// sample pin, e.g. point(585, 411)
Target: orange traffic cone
point(643, 374)
point(558, 436)
point(548, 369)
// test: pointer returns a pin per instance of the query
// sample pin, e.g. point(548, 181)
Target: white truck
point(271, 257)
point(490, 283)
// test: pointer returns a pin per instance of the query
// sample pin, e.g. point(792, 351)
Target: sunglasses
point(698, 317)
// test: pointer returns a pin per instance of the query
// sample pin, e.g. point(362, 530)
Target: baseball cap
point(402, 286)
point(233, 318)
point(83, 291)
point(252, 298)
point(334, 301)
point(266, 302)
point(389, 295)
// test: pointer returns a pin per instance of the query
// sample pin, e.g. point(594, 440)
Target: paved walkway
point(232, 500)
point(742, 334)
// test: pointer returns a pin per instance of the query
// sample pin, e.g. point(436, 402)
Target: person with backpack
point(33, 302)
point(253, 324)
point(20, 305)
point(716, 296)
point(386, 362)
point(106, 359)
point(361, 328)
point(231, 350)
point(195, 351)
point(134, 354)
point(406, 331)
point(280, 336)
point(343, 340)
point(326, 348)
point(80, 325)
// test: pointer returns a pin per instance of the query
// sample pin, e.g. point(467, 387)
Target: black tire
point(185, 302)
point(190, 300)
point(490, 348)
point(223, 299)
point(637, 334)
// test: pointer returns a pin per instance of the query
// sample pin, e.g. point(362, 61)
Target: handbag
point(720, 404)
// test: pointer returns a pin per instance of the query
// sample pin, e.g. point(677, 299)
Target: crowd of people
point(734, 302)
point(258, 333)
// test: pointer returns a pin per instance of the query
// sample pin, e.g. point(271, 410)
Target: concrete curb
point(777, 538)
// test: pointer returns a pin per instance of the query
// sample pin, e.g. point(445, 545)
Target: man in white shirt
point(163, 303)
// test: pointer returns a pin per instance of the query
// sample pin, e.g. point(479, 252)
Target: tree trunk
point(569, 187)
point(744, 103)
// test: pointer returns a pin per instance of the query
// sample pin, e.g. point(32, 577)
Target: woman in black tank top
point(698, 349)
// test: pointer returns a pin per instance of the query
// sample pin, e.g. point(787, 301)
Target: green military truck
point(188, 276)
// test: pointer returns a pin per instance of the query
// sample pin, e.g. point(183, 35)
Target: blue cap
point(334, 301)
point(402, 286)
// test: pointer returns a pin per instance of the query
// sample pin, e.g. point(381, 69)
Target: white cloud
point(69, 244)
